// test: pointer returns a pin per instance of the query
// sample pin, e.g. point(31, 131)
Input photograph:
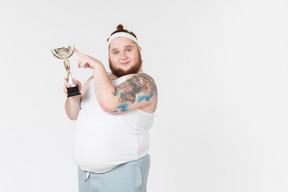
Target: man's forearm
point(72, 107)
point(103, 87)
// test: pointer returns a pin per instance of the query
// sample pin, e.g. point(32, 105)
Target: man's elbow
point(72, 117)
point(106, 107)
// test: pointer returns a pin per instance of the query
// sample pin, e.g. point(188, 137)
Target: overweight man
point(114, 114)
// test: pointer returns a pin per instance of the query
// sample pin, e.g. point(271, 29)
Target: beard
point(134, 69)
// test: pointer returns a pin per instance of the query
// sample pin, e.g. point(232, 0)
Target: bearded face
point(118, 72)
point(124, 56)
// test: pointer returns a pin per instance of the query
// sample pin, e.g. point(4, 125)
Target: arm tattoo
point(141, 85)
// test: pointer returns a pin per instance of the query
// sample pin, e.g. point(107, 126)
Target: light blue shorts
point(127, 177)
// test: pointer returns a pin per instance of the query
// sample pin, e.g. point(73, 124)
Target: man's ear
point(139, 48)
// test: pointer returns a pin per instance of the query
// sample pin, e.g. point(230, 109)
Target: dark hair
point(121, 29)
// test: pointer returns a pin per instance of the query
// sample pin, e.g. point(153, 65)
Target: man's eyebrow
point(114, 49)
point(126, 46)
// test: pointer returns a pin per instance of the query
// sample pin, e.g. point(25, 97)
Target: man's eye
point(128, 50)
point(116, 52)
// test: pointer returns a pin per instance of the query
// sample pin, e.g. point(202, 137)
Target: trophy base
point(73, 91)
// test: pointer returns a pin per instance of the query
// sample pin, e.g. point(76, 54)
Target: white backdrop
point(221, 70)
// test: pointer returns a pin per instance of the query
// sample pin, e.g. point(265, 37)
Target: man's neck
point(113, 77)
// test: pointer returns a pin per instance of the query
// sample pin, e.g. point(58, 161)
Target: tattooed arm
point(137, 92)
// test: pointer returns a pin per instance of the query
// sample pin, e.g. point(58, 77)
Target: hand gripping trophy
point(65, 53)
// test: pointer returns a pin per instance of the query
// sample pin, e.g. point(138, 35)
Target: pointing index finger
point(79, 53)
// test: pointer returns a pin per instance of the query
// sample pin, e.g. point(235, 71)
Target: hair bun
point(120, 27)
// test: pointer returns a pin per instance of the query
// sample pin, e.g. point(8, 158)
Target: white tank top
point(103, 141)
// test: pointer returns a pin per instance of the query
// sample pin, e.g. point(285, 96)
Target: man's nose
point(123, 56)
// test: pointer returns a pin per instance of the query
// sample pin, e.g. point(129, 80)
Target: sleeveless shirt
point(102, 140)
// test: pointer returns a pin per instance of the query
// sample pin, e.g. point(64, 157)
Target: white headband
point(123, 34)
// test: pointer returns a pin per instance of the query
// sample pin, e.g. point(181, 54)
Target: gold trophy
point(65, 53)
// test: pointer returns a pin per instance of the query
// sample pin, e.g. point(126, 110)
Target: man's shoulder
point(142, 80)
point(140, 75)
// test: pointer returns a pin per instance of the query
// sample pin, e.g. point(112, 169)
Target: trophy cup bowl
point(65, 53)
